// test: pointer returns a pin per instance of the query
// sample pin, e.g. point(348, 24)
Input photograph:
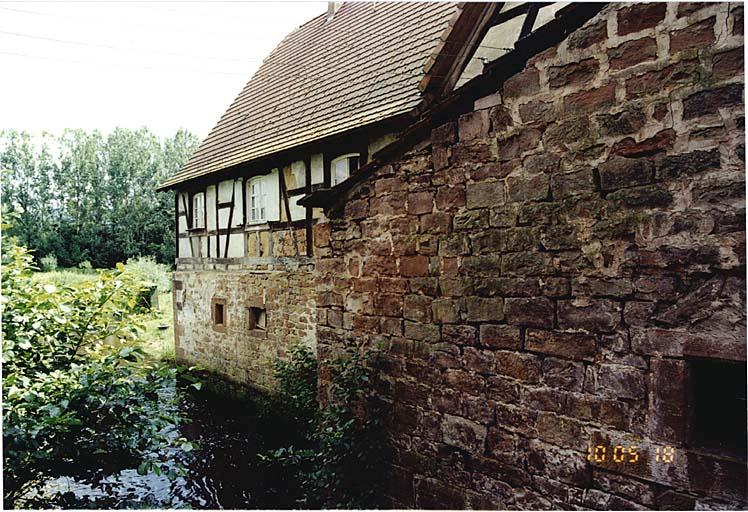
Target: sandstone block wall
point(542, 272)
point(284, 289)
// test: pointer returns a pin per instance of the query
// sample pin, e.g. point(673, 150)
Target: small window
point(218, 314)
point(257, 200)
point(198, 211)
point(298, 169)
point(342, 167)
point(256, 319)
point(718, 394)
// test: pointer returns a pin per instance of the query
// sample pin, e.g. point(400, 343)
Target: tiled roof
point(324, 78)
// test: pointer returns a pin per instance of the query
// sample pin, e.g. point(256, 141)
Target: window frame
point(347, 157)
point(215, 303)
point(254, 314)
point(263, 207)
point(197, 221)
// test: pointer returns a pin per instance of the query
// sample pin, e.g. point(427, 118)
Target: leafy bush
point(148, 269)
point(337, 462)
point(297, 390)
point(48, 263)
point(85, 265)
point(75, 400)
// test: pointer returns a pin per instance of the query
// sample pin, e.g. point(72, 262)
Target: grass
point(157, 340)
point(64, 277)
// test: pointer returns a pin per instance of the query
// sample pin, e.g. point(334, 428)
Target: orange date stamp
point(630, 454)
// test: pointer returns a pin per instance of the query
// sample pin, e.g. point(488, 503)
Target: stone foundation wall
point(543, 272)
point(282, 288)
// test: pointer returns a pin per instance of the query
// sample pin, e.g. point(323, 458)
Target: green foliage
point(89, 197)
point(149, 270)
point(48, 263)
point(338, 463)
point(78, 398)
point(297, 391)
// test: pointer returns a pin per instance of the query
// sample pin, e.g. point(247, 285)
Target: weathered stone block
point(571, 345)
point(478, 309)
point(640, 17)
point(527, 264)
point(658, 143)
point(420, 202)
point(440, 156)
point(588, 35)
point(537, 112)
point(629, 120)
point(661, 80)
point(597, 315)
point(422, 332)
point(444, 134)
point(524, 367)
point(499, 336)
point(729, 63)
point(698, 35)
point(445, 311)
point(534, 312)
point(545, 163)
point(386, 185)
point(487, 264)
point(466, 381)
point(387, 304)
point(480, 361)
point(501, 118)
point(450, 198)
point(524, 83)
point(618, 381)
point(527, 188)
point(485, 194)
point(471, 219)
point(456, 244)
point(555, 429)
point(633, 52)
point(687, 164)
point(650, 196)
point(518, 143)
point(435, 223)
point(620, 172)
point(574, 73)
point(562, 374)
point(460, 334)
point(473, 125)
point(487, 241)
point(414, 266)
point(669, 409)
point(505, 216)
point(568, 133)
point(417, 307)
point(357, 209)
point(590, 100)
point(707, 102)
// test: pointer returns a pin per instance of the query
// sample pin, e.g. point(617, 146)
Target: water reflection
point(223, 473)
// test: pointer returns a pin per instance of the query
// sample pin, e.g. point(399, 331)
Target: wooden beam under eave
point(452, 55)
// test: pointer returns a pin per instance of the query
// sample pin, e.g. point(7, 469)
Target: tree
point(84, 196)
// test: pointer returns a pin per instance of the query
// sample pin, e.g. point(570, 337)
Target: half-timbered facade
point(332, 94)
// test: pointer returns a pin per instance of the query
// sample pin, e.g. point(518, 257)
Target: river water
point(224, 472)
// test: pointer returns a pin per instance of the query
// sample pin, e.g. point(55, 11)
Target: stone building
point(548, 243)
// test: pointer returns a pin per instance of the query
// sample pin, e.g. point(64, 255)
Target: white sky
point(96, 78)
